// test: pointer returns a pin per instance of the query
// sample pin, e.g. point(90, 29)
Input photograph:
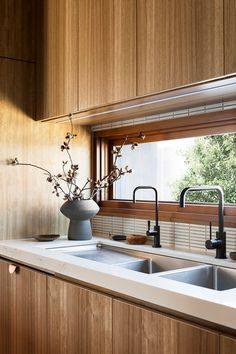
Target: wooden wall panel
point(26, 204)
point(178, 42)
point(17, 30)
point(107, 51)
point(230, 36)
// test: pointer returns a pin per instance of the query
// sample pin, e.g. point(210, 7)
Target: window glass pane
point(174, 164)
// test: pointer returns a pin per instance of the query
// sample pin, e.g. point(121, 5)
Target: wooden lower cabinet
point(140, 331)
point(79, 320)
point(227, 345)
point(22, 310)
point(41, 314)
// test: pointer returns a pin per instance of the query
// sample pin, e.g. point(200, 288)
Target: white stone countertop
point(215, 306)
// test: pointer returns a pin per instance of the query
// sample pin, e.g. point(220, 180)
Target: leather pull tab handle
point(12, 268)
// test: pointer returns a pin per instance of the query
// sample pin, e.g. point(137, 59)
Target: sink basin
point(211, 277)
point(129, 259)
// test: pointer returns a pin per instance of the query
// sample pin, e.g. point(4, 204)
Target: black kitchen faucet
point(156, 230)
point(219, 243)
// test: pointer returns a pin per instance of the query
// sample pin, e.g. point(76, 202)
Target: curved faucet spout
point(156, 231)
point(220, 243)
point(216, 189)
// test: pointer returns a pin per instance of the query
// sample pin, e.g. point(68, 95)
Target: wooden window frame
point(192, 126)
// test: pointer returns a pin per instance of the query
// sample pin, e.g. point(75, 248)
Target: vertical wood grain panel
point(178, 42)
point(22, 311)
point(79, 320)
point(209, 36)
point(5, 309)
point(57, 57)
point(17, 30)
point(230, 36)
point(146, 332)
point(27, 205)
point(107, 51)
point(227, 345)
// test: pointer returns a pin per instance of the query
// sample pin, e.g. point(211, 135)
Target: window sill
point(192, 213)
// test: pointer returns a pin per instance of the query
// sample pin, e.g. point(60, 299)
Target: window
point(172, 165)
point(162, 157)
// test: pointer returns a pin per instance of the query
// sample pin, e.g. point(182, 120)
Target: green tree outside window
point(211, 161)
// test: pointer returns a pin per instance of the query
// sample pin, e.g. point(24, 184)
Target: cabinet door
point(178, 42)
point(57, 58)
point(17, 30)
point(140, 331)
point(79, 320)
point(107, 51)
point(22, 311)
point(230, 36)
point(227, 345)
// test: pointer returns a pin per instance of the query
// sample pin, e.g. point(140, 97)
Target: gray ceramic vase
point(80, 212)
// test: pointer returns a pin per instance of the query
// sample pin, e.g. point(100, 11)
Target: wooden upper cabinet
point(97, 52)
point(178, 42)
point(107, 51)
point(86, 54)
point(17, 30)
point(230, 36)
point(57, 58)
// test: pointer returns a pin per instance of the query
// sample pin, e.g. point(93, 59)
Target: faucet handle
point(210, 226)
point(149, 225)
point(213, 244)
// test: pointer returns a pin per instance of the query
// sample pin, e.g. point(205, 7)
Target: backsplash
point(189, 236)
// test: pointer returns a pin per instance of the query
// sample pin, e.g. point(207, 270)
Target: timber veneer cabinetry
point(147, 332)
point(41, 314)
point(230, 36)
point(86, 54)
point(17, 31)
point(227, 345)
point(22, 310)
point(57, 58)
point(179, 42)
point(97, 52)
point(79, 320)
point(107, 52)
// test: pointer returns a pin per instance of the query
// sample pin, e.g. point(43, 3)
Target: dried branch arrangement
point(66, 184)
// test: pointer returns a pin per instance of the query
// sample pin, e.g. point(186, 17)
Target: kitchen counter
point(214, 306)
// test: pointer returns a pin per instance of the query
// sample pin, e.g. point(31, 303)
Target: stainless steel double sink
point(185, 271)
point(207, 276)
